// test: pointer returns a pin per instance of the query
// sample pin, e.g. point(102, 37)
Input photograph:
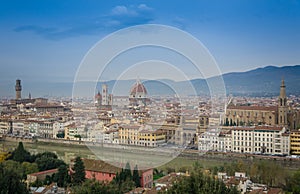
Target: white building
point(111, 136)
point(18, 127)
point(209, 140)
point(224, 141)
point(260, 139)
point(5, 126)
point(58, 128)
point(45, 129)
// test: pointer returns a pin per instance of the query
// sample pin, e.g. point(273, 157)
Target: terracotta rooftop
point(266, 108)
point(130, 126)
point(44, 172)
point(271, 128)
point(276, 128)
point(138, 87)
point(99, 166)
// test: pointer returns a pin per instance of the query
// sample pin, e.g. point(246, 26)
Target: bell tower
point(203, 123)
point(282, 106)
point(18, 88)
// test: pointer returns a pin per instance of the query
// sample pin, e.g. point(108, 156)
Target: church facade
point(282, 114)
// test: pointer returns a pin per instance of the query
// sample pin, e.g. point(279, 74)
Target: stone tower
point(104, 94)
point(203, 123)
point(18, 88)
point(282, 106)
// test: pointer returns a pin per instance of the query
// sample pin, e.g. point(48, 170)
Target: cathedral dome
point(138, 90)
point(98, 95)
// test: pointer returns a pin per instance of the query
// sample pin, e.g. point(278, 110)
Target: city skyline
point(45, 42)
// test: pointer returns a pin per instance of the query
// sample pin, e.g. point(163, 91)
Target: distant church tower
point(18, 88)
point(104, 94)
point(203, 123)
point(282, 106)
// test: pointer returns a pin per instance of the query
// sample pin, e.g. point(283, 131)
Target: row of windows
point(241, 143)
point(295, 141)
point(255, 150)
point(295, 146)
point(236, 143)
point(142, 139)
point(250, 134)
point(126, 137)
point(242, 138)
point(248, 113)
point(295, 137)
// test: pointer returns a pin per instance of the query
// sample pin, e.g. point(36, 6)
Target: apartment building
point(260, 140)
point(295, 142)
point(151, 138)
point(129, 134)
point(208, 141)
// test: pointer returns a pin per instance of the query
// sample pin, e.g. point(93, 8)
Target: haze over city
point(44, 42)
point(149, 96)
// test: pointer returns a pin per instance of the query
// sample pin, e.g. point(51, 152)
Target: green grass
point(181, 163)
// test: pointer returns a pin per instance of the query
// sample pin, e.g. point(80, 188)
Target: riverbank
point(68, 149)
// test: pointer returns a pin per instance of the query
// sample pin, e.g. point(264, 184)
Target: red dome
point(138, 87)
point(98, 95)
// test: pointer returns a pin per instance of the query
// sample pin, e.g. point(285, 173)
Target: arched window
point(280, 119)
point(285, 102)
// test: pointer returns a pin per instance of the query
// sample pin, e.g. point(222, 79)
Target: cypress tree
point(136, 177)
point(20, 154)
point(79, 171)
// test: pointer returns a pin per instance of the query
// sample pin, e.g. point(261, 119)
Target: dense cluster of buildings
point(254, 126)
point(266, 127)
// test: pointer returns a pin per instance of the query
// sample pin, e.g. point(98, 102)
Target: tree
point(93, 186)
point(4, 156)
point(127, 171)
point(226, 122)
point(20, 154)
point(197, 182)
point(231, 124)
point(123, 181)
point(47, 161)
point(11, 182)
point(29, 168)
point(295, 182)
point(157, 174)
point(62, 177)
point(48, 180)
point(79, 171)
point(14, 166)
point(78, 136)
point(136, 177)
point(60, 135)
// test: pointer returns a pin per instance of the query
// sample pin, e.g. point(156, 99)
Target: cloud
point(123, 16)
point(118, 17)
point(122, 10)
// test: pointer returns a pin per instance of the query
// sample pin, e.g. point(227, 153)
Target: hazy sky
point(45, 40)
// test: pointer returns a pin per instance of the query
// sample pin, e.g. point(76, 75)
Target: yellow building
point(295, 142)
point(151, 138)
point(136, 135)
point(128, 134)
point(70, 131)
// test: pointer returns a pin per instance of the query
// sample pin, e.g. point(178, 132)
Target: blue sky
point(45, 40)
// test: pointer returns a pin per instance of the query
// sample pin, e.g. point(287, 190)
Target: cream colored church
point(281, 115)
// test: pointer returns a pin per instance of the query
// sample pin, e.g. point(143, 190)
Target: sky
point(45, 40)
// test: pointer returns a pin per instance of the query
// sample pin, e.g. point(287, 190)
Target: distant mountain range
point(258, 82)
point(264, 81)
